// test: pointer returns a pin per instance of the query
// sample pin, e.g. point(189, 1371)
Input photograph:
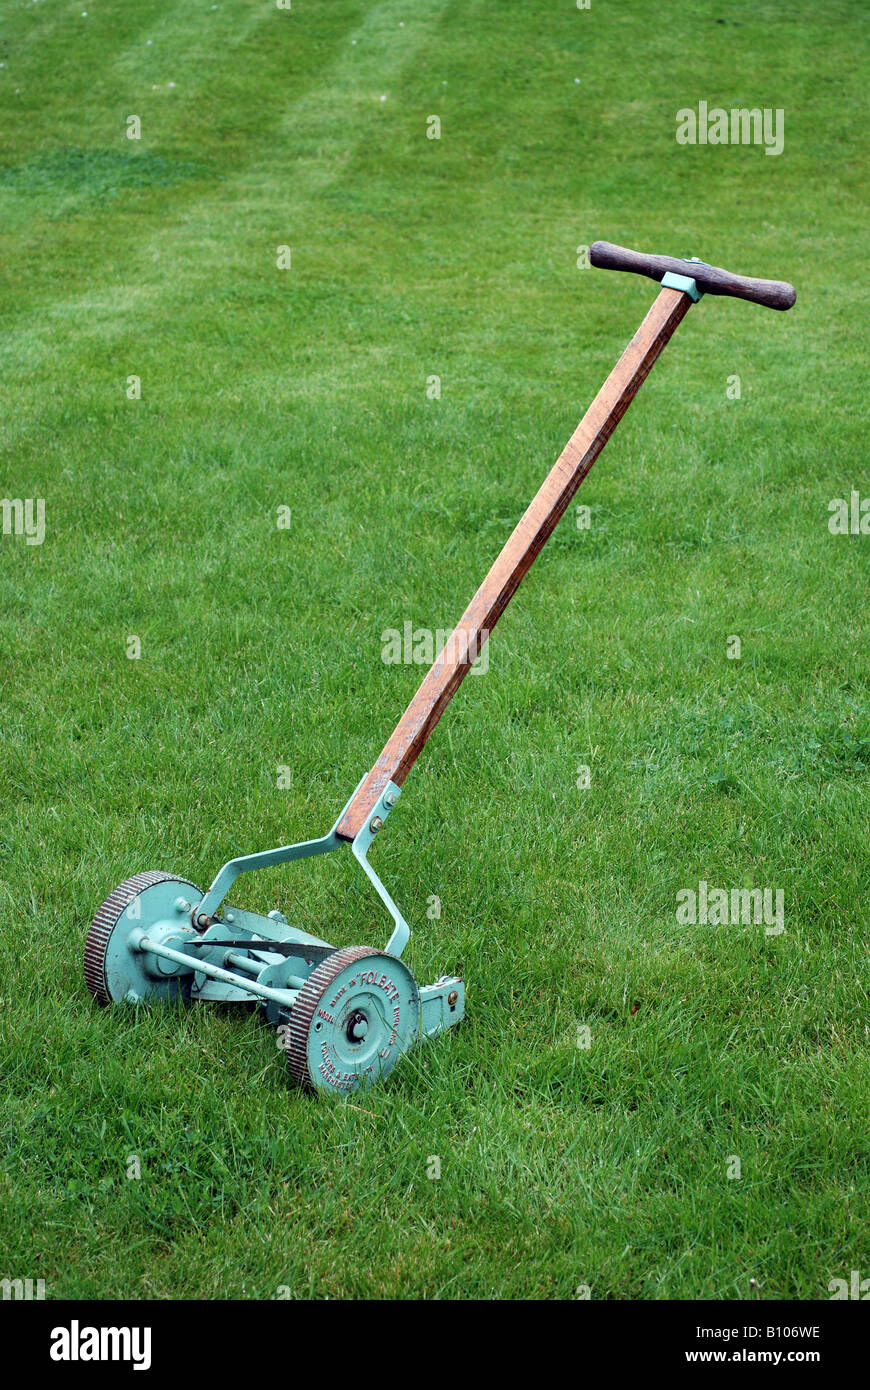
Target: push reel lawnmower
point(348, 1014)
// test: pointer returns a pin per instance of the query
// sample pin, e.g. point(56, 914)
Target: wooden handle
point(527, 540)
point(775, 294)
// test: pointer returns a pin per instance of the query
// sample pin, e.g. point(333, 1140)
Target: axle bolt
point(452, 997)
point(376, 824)
point(357, 1026)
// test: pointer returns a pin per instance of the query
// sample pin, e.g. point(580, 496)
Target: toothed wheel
point(355, 1015)
point(112, 971)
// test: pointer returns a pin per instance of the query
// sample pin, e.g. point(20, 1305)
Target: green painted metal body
point(166, 946)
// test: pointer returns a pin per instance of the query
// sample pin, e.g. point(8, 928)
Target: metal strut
point(205, 912)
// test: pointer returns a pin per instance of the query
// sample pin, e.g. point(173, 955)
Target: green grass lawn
point(561, 1165)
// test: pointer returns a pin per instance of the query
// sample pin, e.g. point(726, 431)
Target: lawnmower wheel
point(355, 1015)
point(112, 971)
